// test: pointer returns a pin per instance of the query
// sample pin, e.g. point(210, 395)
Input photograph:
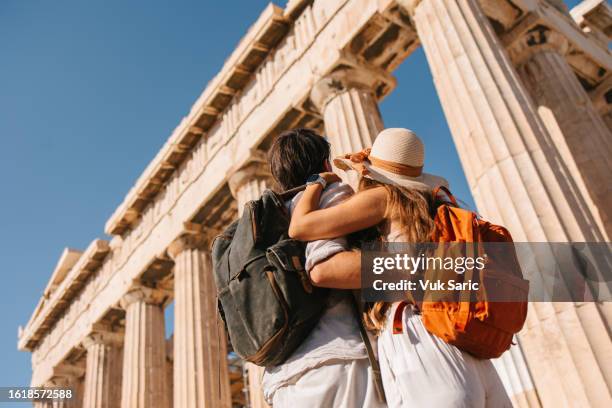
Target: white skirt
point(421, 370)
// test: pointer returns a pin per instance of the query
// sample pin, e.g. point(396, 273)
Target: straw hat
point(396, 157)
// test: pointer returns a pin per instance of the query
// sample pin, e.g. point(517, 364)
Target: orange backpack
point(466, 318)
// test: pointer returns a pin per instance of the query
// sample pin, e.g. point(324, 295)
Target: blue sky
point(89, 91)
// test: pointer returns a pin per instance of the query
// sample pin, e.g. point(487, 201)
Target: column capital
point(350, 73)
point(600, 96)
point(65, 373)
point(409, 5)
point(144, 382)
point(538, 39)
point(256, 168)
point(144, 294)
point(108, 338)
point(197, 240)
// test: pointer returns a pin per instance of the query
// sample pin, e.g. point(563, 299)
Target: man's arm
point(340, 271)
point(329, 262)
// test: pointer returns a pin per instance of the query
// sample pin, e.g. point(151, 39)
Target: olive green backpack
point(264, 294)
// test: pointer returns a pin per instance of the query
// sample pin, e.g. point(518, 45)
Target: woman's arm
point(339, 271)
point(364, 209)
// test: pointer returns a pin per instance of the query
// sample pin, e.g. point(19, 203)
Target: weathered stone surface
point(254, 376)
point(251, 180)
point(144, 354)
point(515, 175)
point(104, 366)
point(514, 373)
point(200, 364)
point(585, 144)
point(595, 19)
point(67, 376)
point(576, 129)
point(346, 98)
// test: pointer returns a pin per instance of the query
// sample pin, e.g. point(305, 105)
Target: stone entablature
point(217, 99)
point(65, 263)
point(72, 283)
point(587, 58)
point(595, 19)
point(249, 75)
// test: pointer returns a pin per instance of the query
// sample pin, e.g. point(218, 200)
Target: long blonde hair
point(413, 211)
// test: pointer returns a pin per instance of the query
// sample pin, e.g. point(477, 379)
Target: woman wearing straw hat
point(395, 194)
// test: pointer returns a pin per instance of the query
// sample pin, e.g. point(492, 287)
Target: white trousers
point(344, 384)
point(421, 370)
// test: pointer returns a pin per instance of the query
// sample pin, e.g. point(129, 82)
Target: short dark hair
point(297, 154)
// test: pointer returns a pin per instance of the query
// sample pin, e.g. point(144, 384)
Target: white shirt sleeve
point(320, 250)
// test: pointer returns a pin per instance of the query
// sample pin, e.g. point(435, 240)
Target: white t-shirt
point(336, 336)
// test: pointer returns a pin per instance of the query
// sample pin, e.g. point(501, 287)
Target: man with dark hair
point(330, 368)
point(297, 154)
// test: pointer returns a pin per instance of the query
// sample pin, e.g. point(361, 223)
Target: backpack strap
point(378, 385)
point(286, 195)
point(465, 297)
point(398, 326)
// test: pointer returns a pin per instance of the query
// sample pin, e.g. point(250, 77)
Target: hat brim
point(424, 182)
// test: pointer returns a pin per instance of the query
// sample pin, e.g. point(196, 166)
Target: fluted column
point(584, 143)
point(514, 374)
point(576, 128)
point(170, 370)
point(144, 356)
point(247, 183)
point(103, 370)
point(67, 376)
point(201, 376)
point(518, 179)
point(347, 100)
point(77, 389)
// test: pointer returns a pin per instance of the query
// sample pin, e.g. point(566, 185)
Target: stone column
point(170, 370)
point(103, 370)
point(144, 356)
point(201, 376)
point(518, 179)
point(349, 106)
point(584, 142)
point(251, 180)
point(576, 128)
point(513, 371)
point(247, 183)
point(68, 382)
point(67, 376)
